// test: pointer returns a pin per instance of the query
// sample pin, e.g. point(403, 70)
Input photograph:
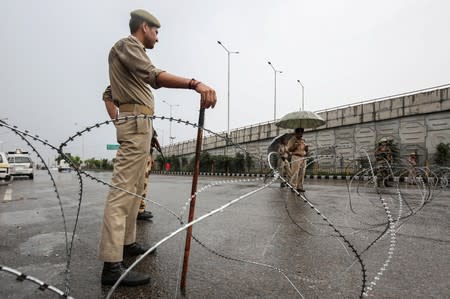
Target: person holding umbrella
point(299, 150)
point(299, 120)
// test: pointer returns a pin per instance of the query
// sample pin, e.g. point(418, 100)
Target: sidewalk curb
point(308, 176)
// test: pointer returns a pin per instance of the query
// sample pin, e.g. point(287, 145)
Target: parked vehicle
point(4, 167)
point(21, 164)
point(63, 166)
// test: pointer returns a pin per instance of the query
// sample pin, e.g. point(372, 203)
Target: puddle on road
point(8, 196)
point(44, 244)
point(21, 218)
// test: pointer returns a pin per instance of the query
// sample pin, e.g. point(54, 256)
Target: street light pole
point(275, 71)
point(171, 138)
point(303, 95)
point(2, 120)
point(228, 54)
point(82, 144)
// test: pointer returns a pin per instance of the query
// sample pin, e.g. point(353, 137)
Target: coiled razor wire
point(364, 290)
point(22, 135)
point(42, 285)
point(66, 158)
point(392, 223)
point(184, 209)
point(171, 235)
point(350, 245)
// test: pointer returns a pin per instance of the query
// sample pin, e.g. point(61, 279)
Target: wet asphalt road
point(247, 250)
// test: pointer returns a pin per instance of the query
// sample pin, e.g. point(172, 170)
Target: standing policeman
point(130, 73)
point(299, 149)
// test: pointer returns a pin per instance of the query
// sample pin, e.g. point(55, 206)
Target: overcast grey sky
point(54, 59)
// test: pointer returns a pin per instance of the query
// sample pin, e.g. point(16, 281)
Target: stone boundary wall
point(416, 122)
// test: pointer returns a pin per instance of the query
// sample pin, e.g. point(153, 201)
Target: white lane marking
point(8, 194)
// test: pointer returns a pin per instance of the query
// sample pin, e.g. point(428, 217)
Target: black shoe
point(112, 272)
point(146, 215)
point(135, 249)
point(282, 185)
point(300, 190)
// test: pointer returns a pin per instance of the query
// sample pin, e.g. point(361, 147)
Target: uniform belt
point(141, 109)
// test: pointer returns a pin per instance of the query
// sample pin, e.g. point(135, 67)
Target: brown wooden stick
point(198, 149)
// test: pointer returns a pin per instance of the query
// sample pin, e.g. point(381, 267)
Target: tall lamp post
point(228, 53)
point(2, 120)
point(303, 95)
point(170, 124)
point(82, 143)
point(275, 71)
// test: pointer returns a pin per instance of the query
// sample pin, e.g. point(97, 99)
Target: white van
point(63, 166)
point(4, 167)
point(21, 164)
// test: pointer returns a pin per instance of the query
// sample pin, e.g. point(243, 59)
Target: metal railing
point(434, 88)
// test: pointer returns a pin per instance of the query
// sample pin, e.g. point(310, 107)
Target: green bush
point(442, 155)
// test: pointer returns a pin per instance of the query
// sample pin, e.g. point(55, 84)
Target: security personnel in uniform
point(298, 149)
point(285, 167)
point(112, 110)
point(143, 214)
point(130, 73)
point(412, 161)
point(383, 156)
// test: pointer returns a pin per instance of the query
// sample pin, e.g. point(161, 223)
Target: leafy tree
point(442, 155)
point(237, 164)
point(248, 162)
point(159, 163)
point(174, 163)
point(206, 162)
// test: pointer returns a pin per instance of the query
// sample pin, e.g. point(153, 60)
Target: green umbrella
point(300, 119)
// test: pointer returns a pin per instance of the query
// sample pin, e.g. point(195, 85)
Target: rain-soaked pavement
point(269, 245)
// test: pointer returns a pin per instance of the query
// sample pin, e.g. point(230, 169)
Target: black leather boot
point(112, 272)
point(135, 249)
point(146, 215)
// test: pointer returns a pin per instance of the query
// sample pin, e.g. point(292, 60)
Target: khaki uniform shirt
point(130, 72)
point(297, 147)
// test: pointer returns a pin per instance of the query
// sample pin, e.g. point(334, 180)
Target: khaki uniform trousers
point(119, 220)
point(285, 169)
point(298, 170)
point(148, 170)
